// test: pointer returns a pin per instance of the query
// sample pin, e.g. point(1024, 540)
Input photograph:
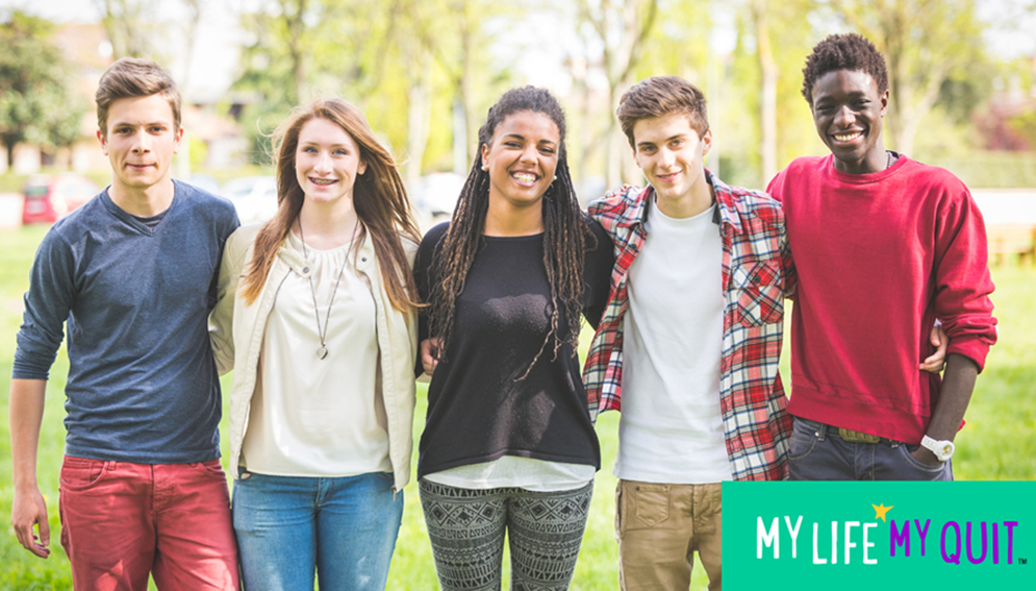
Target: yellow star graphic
point(880, 511)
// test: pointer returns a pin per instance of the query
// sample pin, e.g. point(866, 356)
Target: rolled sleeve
point(47, 305)
point(963, 282)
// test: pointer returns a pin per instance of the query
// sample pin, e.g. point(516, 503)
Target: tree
point(190, 26)
point(782, 36)
point(130, 25)
point(275, 64)
point(451, 34)
point(924, 42)
point(35, 103)
point(620, 29)
point(768, 89)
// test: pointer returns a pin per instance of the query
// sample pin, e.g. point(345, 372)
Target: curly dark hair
point(565, 238)
point(844, 52)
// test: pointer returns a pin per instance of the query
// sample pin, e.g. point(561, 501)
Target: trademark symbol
point(1023, 561)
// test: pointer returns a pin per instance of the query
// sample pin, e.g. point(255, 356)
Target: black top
point(478, 409)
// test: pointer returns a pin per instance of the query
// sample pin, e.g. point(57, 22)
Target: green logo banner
point(879, 536)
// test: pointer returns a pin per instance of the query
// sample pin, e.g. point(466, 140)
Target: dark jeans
point(818, 453)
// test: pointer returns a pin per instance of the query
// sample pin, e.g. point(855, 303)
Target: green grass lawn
point(998, 443)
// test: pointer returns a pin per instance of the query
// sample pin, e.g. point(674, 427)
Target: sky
point(215, 59)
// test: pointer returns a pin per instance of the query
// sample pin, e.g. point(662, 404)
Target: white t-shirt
point(671, 429)
point(313, 417)
point(517, 472)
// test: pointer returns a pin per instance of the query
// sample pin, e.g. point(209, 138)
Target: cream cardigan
point(236, 331)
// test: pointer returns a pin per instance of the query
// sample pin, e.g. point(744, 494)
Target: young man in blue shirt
point(131, 276)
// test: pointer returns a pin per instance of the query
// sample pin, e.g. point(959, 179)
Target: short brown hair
point(658, 96)
point(130, 78)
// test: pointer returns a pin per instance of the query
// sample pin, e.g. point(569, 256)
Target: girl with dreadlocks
point(317, 317)
point(509, 444)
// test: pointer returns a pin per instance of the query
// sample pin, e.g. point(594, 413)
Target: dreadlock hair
point(379, 198)
point(844, 52)
point(565, 237)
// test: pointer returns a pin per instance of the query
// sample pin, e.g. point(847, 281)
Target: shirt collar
point(645, 199)
point(727, 212)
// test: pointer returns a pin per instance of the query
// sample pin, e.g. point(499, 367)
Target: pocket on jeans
point(803, 440)
point(80, 474)
point(212, 469)
point(652, 502)
point(905, 451)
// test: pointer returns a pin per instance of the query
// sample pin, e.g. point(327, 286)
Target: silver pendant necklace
point(322, 332)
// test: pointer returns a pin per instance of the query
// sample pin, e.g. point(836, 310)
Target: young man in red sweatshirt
point(883, 247)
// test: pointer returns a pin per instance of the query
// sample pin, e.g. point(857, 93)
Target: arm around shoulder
point(221, 319)
point(597, 272)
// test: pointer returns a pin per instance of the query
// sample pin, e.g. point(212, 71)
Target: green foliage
point(1025, 126)
point(199, 152)
point(130, 26)
point(395, 60)
point(925, 43)
point(36, 104)
point(990, 170)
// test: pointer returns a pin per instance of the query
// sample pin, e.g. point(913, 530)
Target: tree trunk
point(466, 93)
point(419, 108)
point(10, 151)
point(767, 91)
point(619, 64)
point(296, 28)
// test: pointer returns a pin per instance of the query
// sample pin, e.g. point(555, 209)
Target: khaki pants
point(660, 526)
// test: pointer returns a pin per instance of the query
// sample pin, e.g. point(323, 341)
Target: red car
point(50, 197)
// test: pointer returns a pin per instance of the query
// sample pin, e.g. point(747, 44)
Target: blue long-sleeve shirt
point(142, 385)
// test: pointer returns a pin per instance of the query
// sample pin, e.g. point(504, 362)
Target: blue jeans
point(817, 452)
point(344, 527)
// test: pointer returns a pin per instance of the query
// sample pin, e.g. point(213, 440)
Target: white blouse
point(312, 416)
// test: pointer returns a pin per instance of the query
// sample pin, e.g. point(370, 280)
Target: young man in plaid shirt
point(693, 333)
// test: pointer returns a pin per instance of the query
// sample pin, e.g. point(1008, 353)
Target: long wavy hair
point(379, 198)
point(565, 236)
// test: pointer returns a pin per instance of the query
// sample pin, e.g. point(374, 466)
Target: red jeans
point(121, 521)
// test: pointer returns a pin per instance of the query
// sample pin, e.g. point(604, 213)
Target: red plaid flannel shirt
point(757, 273)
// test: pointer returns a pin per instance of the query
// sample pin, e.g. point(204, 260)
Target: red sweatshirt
point(879, 257)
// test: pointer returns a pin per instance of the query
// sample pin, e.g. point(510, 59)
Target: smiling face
point(670, 153)
point(522, 158)
point(140, 141)
point(327, 161)
point(848, 111)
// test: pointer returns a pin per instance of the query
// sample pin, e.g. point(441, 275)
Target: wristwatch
point(943, 450)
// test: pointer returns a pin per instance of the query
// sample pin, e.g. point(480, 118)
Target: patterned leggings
point(467, 531)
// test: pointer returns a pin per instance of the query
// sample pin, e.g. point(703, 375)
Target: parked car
point(434, 196)
point(204, 182)
point(255, 197)
point(50, 197)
